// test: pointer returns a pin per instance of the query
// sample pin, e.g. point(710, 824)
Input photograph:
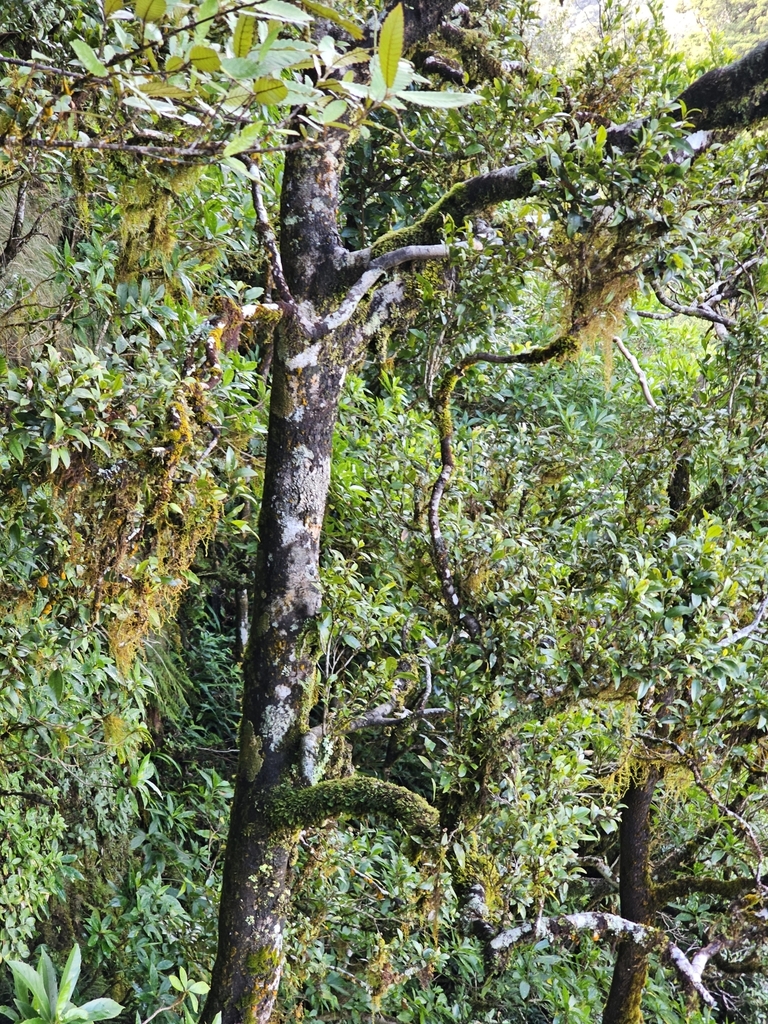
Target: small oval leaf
point(269, 90)
point(204, 58)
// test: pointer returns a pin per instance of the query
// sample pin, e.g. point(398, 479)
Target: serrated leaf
point(150, 10)
point(174, 62)
point(333, 111)
point(280, 11)
point(439, 100)
point(242, 40)
point(269, 90)
point(391, 41)
point(204, 58)
point(88, 58)
point(323, 11)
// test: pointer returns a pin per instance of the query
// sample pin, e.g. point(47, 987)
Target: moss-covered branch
point(463, 200)
point(357, 796)
point(731, 97)
point(729, 888)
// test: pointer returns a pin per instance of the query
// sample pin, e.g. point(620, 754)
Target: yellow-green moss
point(357, 796)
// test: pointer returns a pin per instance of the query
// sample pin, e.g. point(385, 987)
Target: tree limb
point(703, 312)
point(599, 924)
point(376, 269)
point(730, 97)
point(742, 634)
point(358, 795)
point(649, 400)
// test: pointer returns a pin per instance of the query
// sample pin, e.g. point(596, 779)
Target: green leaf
point(28, 976)
point(72, 967)
point(391, 44)
point(174, 62)
point(163, 89)
point(88, 58)
point(439, 100)
point(323, 11)
point(525, 989)
point(204, 58)
point(241, 68)
point(242, 40)
point(48, 973)
point(204, 19)
point(16, 450)
point(100, 1009)
point(244, 139)
point(150, 10)
point(111, 7)
point(333, 111)
point(280, 11)
point(269, 90)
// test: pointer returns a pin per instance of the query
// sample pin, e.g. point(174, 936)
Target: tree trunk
point(636, 896)
point(279, 676)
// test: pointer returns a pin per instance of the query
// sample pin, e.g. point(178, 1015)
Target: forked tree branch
point(376, 269)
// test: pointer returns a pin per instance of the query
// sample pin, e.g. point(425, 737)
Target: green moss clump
point(357, 796)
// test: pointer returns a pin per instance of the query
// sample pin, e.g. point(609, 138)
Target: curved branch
point(441, 410)
point(703, 312)
point(638, 371)
point(358, 795)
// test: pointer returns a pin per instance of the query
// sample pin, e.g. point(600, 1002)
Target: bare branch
point(268, 237)
point(646, 937)
point(638, 371)
point(376, 269)
point(742, 634)
point(703, 312)
point(602, 869)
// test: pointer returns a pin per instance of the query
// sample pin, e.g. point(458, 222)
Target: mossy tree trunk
point(636, 895)
point(279, 676)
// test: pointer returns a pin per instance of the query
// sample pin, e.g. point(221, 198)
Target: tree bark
point(636, 896)
point(279, 677)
